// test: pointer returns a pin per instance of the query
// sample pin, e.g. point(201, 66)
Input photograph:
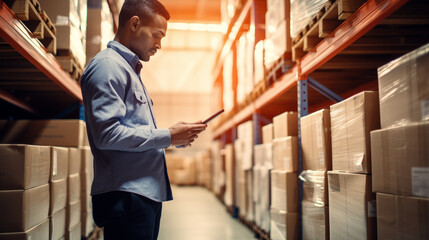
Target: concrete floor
point(195, 214)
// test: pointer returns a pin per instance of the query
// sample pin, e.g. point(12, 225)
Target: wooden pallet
point(258, 89)
point(70, 64)
point(280, 67)
point(322, 25)
point(28, 11)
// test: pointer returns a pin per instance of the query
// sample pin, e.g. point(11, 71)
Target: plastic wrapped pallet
point(352, 120)
point(352, 211)
point(404, 89)
point(315, 187)
point(315, 212)
point(284, 225)
point(400, 160)
point(316, 141)
point(301, 12)
point(315, 221)
point(400, 217)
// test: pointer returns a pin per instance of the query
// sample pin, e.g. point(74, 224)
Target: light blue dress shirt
point(128, 147)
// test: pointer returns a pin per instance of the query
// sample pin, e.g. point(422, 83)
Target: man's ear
point(134, 23)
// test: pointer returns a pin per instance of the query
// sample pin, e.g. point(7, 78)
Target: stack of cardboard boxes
point(277, 32)
point(284, 177)
point(244, 174)
point(263, 155)
point(70, 19)
point(86, 177)
point(60, 161)
point(181, 169)
point(317, 160)
point(218, 177)
point(352, 211)
point(100, 28)
point(24, 191)
point(58, 184)
point(229, 197)
point(400, 152)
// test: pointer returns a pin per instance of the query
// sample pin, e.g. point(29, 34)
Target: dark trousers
point(126, 215)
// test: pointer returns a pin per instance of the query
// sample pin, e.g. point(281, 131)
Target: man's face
point(147, 39)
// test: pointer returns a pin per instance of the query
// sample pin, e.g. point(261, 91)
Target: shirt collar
point(126, 53)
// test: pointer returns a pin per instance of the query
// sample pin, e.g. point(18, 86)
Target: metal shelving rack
point(295, 82)
point(19, 44)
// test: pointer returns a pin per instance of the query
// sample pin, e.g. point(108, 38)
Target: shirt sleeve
point(103, 88)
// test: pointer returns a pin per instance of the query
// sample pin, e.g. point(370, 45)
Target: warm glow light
point(198, 27)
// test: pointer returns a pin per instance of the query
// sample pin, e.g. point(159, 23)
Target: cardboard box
point(316, 141)
point(229, 198)
point(268, 133)
point(284, 191)
point(59, 163)
point(352, 211)
point(65, 133)
point(315, 187)
point(352, 120)
point(245, 135)
point(85, 191)
point(58, 195)
point(284, 225)
point(23, 209)
point(250, 211)
point(57, 224)
point(263, 154)
point(285, 125)
point(400, 217)
point(24, 166)
point(315, 221)
point(87, 223)
point(404, 89)
point(73, 188)
point(400, 160)
point(40, 231)
point(74, 161)
point(72, 214)
point(86, 160)
point(74, 232)
point(285, 154)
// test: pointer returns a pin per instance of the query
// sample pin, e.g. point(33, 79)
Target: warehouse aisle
point(195, 213)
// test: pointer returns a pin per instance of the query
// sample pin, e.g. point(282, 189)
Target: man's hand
point(183, 134)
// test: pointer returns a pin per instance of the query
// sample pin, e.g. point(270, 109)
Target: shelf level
point(13, 32)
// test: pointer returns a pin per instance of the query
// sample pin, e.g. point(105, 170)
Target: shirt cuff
point(163, 138)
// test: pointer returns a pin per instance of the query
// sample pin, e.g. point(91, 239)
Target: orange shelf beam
point(13, 32)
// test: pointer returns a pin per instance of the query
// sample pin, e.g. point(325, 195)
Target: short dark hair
point(144, 9)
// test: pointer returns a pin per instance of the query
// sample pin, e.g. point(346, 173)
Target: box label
point(55, 163)
point(420, 181)
point(358, 162)
point(425, 109)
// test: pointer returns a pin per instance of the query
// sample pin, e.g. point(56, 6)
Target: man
point(130, 177)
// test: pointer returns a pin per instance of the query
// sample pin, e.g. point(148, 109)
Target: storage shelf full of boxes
point(338, 161)
point(46, 163)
